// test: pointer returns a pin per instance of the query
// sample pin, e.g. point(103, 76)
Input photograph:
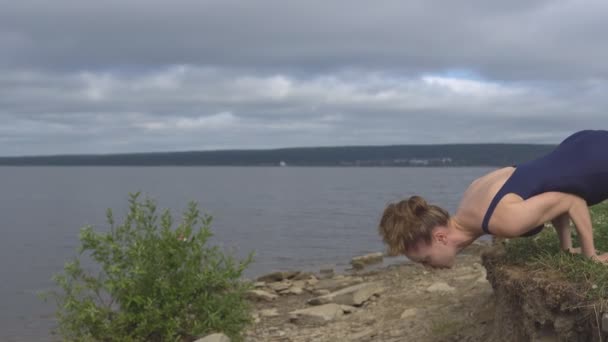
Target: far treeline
point(393, 155)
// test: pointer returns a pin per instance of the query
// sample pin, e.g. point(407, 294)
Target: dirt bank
point(539, 305)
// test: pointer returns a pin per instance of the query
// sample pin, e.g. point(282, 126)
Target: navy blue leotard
point(578, 165)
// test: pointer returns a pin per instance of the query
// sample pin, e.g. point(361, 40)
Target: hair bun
point(417, 205)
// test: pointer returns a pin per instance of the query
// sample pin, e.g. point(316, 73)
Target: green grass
point(542, 252)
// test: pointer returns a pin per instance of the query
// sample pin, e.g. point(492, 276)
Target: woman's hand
point(603, 258)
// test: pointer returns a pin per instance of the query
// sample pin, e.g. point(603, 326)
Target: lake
point(293, 218)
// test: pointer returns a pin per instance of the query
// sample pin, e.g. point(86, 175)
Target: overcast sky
point(138, 76)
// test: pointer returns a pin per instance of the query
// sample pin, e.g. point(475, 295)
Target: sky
point(118, 76)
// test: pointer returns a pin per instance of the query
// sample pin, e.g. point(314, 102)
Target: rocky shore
point(400, 302)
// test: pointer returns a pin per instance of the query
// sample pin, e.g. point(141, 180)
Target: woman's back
point(578, 165)
point(479, 194)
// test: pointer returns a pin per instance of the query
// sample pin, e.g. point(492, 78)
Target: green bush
point(152, 282)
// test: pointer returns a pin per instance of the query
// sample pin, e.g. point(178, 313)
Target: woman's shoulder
point(477, 197)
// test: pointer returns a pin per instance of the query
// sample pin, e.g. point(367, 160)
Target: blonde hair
point(405, 223)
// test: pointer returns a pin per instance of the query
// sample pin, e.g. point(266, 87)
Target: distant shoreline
point(455, 155)
point(252, 166)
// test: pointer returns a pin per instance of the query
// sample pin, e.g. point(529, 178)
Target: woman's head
point(419, 231)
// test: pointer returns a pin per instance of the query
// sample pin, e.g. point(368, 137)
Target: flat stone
point(269, 312)
point(357, 265)
point(255, 316)
point(294, 290)
point(320, 292)
point(318, 314)
point(482, 278)
point(409, 313)
point(261, 295)
point(353, 295)
point(478, 266)
point(214, 338)
point(271, 277)
point(304, 276)
point(278, 276)
point(363, 335)
point(312, 281)
point(337, 283)
point(280, 286)
point(368, 259)
point(326, 273)
point(466, 277)
point(298, 283)
point(348, 308)
point(440, 287)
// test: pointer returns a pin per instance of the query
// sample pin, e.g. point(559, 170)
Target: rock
point(312, 281)
point(269, 312)
point(294, 290)
point(337, 283)
point(278, 276)
point(482, 278)
point(358, 265)
point(466, 277)
point(348, 308)
point(259, 284)
point(271, 277)
point(260, 295)
point(325, 273)
point(368, 259)
point(440, 287)
point(214, 338)
point(353, 295)
point(256, 317)
point(318, 314)
point(304, 276)
point(291, 274)
point(280, 286)
point(321, 292)
point(409, 313)
point(298, 283)
point(363, 335)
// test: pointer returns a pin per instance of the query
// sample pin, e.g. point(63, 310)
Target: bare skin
point(512, 216)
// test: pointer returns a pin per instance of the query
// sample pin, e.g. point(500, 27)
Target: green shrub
point(152, 282)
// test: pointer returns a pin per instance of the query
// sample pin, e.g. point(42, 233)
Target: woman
point(509, 202)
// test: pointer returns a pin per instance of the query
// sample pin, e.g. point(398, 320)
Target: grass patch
point(542, 252)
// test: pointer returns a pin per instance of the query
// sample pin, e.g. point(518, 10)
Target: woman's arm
point(579, 212)
point(562, 227)
point(520, 217)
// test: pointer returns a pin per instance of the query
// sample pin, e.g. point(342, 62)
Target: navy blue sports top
point(578, 165)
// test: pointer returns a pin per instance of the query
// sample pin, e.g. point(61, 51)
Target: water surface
point(292, 217)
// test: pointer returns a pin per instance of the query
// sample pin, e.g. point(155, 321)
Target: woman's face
point(438, 254)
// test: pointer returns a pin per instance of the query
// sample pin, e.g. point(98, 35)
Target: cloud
point(211, 122)
point(523, 40)
point(128, 76)
point(189, 107)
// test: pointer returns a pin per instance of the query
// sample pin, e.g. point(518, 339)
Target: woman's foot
point(573, 250)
